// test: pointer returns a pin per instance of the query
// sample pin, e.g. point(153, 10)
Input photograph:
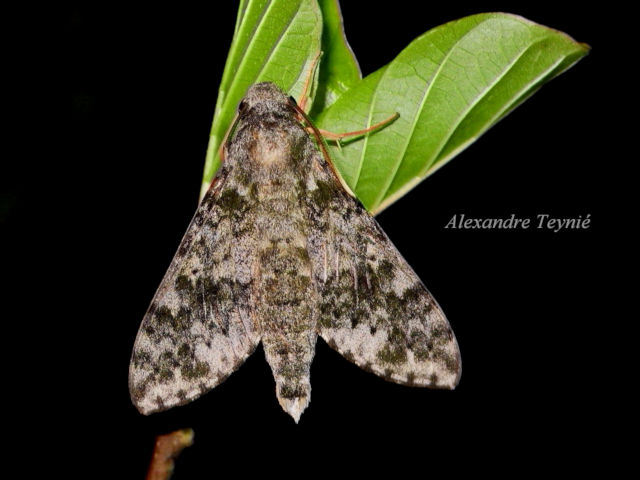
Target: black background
point(107, 215)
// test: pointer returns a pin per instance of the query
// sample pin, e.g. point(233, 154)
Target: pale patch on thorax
point(271, 148)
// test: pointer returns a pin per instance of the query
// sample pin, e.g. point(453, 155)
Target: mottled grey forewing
point(198, 328)
point(373, 308)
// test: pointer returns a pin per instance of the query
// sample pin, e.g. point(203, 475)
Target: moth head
point(263, 98)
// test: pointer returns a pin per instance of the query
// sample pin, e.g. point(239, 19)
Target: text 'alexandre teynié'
point(541, 221)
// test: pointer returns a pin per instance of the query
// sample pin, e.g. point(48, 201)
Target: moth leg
point(304, 96)
point(337, 137)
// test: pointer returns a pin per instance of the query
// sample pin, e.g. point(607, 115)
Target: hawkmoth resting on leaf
point(279, 252)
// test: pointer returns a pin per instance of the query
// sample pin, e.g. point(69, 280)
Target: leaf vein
point(401, 157)
point(277, 43)
point(481, 95)
point(250, 41)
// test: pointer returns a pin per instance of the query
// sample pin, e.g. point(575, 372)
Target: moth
point(279, 253)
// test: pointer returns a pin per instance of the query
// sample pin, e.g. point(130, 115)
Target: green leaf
point(274, 41)
point(339, 70)
point(449, 86)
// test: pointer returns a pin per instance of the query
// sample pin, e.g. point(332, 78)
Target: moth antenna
point(304, 96)
point(323, 147)
point(337, 137)
point(222, 150)
point(225, 139)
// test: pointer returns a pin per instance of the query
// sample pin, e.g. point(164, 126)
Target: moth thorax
point(272, 148)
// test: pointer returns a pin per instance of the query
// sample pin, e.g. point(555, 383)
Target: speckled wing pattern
point(197, 330)
point(373, 308)
point(279, 253)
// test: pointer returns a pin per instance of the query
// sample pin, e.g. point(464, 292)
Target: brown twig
point(167, 448)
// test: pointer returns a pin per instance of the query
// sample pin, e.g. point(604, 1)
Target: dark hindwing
point(373, 309)
point(198, 328)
